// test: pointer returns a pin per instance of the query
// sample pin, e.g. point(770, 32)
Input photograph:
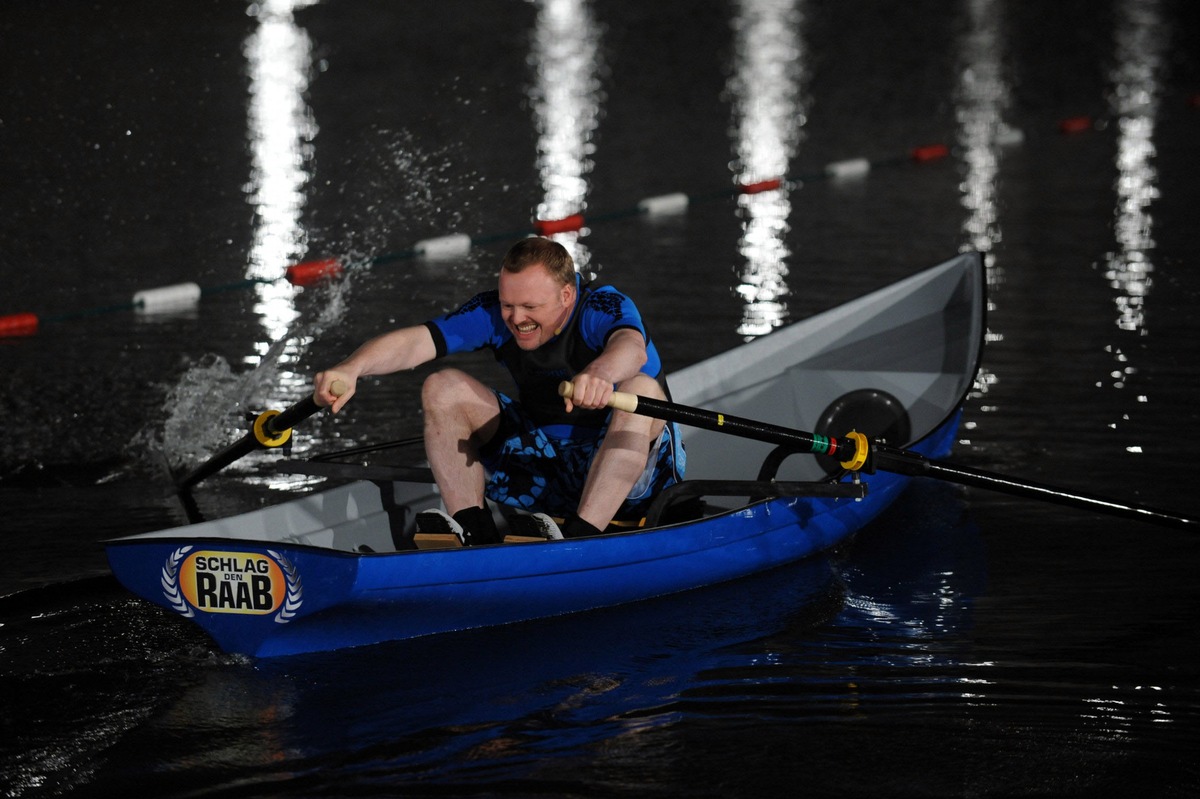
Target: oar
point(270, 429)
point(858, 453)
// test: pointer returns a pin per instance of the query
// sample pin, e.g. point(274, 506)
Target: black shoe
point(438, 521)
point(535, 525)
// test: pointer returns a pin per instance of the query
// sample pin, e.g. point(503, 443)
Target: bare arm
point(406, 348)
point(623, 357)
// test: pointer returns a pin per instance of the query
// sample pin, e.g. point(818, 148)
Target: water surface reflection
point(281, 129)
point(982, 98)
point(566, 97)
point(1140, 38)
point(769, 69)
point(1140, 41)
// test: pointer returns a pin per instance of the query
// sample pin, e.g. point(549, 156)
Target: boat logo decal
point(295, 591)
point(170, 582)
point(248, 583)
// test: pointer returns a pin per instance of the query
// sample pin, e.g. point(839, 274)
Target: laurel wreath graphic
point(170, 582)
point(295, 590)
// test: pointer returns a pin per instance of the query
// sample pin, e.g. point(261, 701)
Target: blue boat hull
point(291, 578)
point(261, 599)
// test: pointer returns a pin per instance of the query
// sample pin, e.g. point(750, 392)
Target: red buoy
point(1077, 124)
point(760, 186)
point(18, 324)
point(568, 224)
point(930, 152)
point(310, 272)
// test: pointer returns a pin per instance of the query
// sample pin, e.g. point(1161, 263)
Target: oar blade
point(968, 476)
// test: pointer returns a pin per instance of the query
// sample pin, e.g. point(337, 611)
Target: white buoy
point(455, 245)
point(663, 204)
point(1008, 136)
point(167, 298)
point(850, 168)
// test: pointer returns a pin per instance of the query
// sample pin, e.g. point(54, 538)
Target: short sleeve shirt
point(602, 311)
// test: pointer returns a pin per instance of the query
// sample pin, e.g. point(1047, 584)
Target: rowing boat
point(338, 567)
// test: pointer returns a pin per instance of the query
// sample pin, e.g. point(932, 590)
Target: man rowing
point(570, 459)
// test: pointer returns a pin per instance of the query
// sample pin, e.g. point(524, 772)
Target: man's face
point(534, 305)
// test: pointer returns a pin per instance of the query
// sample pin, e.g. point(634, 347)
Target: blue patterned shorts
point(531, 468)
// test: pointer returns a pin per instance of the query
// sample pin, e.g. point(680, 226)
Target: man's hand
point(590, 392)
point(333, 388)
point(624, 354)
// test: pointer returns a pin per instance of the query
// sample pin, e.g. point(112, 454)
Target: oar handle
point(285, 420)
point(620, 400)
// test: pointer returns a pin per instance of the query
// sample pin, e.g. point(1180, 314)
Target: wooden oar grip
point(620, 400)
point(338, 388)
point(623, 401)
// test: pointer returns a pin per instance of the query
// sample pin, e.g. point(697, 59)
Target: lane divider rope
point(181, 296)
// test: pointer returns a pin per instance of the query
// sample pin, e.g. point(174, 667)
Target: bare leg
point(621, 458)
point(460, 414)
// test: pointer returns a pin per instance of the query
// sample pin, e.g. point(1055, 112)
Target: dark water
point(964, 645)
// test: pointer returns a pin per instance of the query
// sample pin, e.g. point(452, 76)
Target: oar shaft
point(968, 476)
point(724, 423)
point(844, 448)
point(903, 461)
point(238, 449)
point(888, 458)
point(292, 416)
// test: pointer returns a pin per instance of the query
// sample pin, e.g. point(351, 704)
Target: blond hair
point(537, 250)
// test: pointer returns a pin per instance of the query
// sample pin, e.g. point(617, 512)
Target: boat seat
point(451, 541)
point(437, 541)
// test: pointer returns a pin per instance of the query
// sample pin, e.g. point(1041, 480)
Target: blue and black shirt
point(598, 313)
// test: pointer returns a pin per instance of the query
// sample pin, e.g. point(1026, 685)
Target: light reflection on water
point(983, 96)
point(566, 97)
point(1140, 39)
point(281, 128)
point(766, 86)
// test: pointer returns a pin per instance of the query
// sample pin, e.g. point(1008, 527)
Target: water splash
point(207, 407)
